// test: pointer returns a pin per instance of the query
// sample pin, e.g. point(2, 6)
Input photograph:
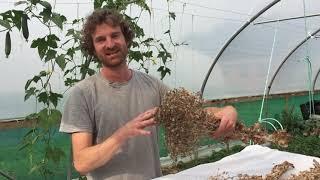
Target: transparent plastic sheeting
point(294, 73)
point(205, 26)
point(253, 160)
point(242, 69)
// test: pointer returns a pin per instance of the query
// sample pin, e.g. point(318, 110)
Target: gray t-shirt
point(101, 107)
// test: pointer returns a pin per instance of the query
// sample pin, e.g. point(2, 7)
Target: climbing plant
point(59, 49)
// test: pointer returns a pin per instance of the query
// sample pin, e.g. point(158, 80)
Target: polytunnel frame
point(288, 56)
point(230, 40)
point(315, 80)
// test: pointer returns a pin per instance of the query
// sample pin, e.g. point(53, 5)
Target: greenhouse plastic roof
point(281, 55)
point(274, 38)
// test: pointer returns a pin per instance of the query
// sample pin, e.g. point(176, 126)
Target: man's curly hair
point(98, 17)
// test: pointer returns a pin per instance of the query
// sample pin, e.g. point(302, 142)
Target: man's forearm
point(90, 158)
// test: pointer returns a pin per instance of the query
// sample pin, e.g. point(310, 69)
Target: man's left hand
point(228, 116)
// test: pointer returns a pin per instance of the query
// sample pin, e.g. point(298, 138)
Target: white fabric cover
point(253, 160)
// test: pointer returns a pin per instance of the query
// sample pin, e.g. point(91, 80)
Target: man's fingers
point(223, 126)
point(146, 123)
point(143, 132)
point(148, 114)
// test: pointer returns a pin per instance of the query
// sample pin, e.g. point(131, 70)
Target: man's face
point(110, 45)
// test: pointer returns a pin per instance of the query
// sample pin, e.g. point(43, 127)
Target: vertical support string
point(309, 64)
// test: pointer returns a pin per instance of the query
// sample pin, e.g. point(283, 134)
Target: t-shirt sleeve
point(76, 115)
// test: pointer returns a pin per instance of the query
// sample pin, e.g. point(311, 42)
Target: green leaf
point(52, 40)
point(29, 93)
point(42, 46)
point(16, 19)
point(54, 97)
point(46, 14)
point(46, 5)
point(91, 72)
point(43, 97)
point(70, 82)
point(6, 15)
point(49, 118)
point(172, 15)
point(71, 52)
point(135, 44)
point(34, 2)
point(97, 4)
point(5, 24)
point(60, 60)
point(141, 3)
point(20, 2)
point(27, 84)
point(43, 118)
point(163, 56)
point(76, 21)
point(32, 116)
point(70, 32)
point(43, 73)
point(55, 117)
point(35, 79)
point(147, 40)
point(136, 55)
point(162, 46)
point(58, 20)
point(51, 54)
point(164, 71)
point(148, 54)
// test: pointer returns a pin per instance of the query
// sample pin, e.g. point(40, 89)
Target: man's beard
point(121, 56)
point(106, 63)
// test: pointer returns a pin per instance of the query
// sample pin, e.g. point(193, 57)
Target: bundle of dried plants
point(186, 121)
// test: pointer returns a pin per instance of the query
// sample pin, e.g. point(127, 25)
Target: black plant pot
point(305, 109)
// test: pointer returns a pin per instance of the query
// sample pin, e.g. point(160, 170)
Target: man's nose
point(109, 43)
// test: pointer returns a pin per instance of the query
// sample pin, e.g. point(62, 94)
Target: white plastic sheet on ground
point(253, 160)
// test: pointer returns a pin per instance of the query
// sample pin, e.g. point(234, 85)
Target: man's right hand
point(88, 157)
point(136, 126)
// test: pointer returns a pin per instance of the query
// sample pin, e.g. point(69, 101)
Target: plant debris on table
point(258, 135)
point(276, 173)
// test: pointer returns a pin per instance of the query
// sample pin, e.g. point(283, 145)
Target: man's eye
point(115, 35)
point(99, 39)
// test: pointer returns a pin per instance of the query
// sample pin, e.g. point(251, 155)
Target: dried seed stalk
point(259, 135)
point(185, 122)
point(311, 174)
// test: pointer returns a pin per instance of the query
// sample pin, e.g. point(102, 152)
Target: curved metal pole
point(287, 57)
point(315, 79)
point(231, 39)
